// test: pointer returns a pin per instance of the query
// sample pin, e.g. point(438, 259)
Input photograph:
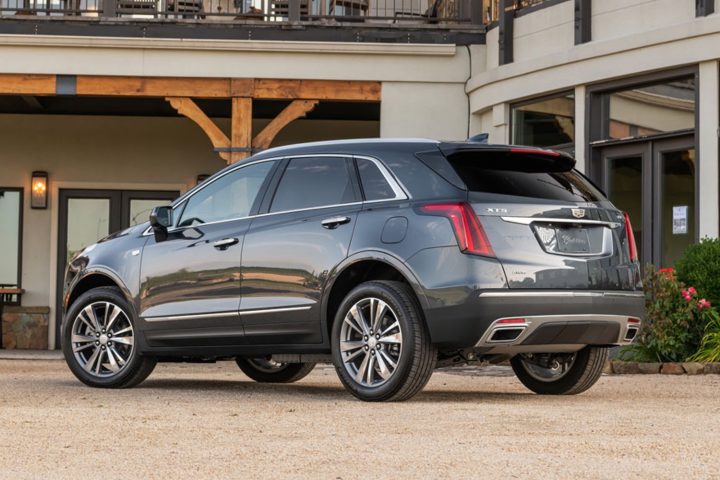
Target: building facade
point(125, 104)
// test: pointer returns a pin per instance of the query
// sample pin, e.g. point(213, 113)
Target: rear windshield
point(563, 186)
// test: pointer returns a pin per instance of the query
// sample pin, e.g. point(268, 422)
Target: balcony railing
point(436, 12)
point(491, 12)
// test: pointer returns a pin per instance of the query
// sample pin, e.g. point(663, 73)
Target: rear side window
point(314, 182)
point(374, 184)
point(562, 186)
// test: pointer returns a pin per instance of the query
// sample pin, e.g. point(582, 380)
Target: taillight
point(469, 232)
point(632, 246)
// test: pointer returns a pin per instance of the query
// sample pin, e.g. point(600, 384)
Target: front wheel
point(560, 373)
point(380, 345)
point(98, 341)
point(267, 370)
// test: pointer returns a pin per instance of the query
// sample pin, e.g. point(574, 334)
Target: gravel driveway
point(210, 421)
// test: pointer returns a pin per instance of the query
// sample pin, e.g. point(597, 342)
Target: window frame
point(569, 147)
point(267, 190)
point(21, 212)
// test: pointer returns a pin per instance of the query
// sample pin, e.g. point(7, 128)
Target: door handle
point(334, 222)
point(225, 243)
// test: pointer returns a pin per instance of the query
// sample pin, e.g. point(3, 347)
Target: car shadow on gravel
point(242, 386)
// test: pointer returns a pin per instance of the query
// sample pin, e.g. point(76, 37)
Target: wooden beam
point(20, 84)
point(297, 109)
point(241, 128)
point(353, 90)
point(188, 108)
point(153, 86)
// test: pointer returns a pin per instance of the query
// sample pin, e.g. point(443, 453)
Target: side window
point(314, 182)
point(373, 181)
point(11, 200)
point(228, 197)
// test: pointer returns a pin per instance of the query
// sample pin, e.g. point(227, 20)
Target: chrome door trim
point(191, 316)
point(274, 310)
point(561, 293)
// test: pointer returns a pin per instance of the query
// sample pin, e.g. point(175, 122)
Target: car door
point(190, 282)
point(291, 249)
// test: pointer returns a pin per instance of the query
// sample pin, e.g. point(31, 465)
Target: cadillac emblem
point(578, 212)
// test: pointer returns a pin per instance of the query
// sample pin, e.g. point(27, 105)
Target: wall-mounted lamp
point(39, 191)
point(201, 178)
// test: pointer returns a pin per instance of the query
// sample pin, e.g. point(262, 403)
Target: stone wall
point(25, 327)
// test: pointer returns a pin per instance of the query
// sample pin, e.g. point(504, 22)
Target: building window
point(652, 109)
point(10, 235)
point(545, 122)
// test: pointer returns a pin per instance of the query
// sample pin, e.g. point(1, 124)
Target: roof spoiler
point(505, 157)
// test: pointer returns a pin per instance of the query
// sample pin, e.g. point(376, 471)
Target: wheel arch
point(94, 279)
point(359, 268)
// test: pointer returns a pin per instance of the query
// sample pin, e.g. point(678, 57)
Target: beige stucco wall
point(545, 31)
point(427, 110)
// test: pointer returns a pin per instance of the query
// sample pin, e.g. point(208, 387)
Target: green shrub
point(710, 346)
point(700, 267)
point(676, 318)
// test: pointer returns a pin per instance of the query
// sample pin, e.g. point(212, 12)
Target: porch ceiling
point(158, 107)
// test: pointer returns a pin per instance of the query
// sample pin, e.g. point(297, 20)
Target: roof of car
point(357, 145)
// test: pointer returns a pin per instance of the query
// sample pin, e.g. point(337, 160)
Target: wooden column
point(241, 136)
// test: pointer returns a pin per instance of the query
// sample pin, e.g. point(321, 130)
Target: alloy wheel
point(546, 368)
point(102, 339)
point(371, 342)
point(266, 364)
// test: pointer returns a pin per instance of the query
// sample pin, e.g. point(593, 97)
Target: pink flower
point(670, 272)
point(703, 304)
point(692, 291)
point(686, 295)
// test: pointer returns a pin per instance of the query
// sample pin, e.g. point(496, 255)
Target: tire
point(117, 364)
point(407, 345)
point(585, 370)
point(263, 371)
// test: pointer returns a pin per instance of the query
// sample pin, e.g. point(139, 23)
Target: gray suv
point(388, 258)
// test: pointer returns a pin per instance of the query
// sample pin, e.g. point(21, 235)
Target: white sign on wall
point(680, 220)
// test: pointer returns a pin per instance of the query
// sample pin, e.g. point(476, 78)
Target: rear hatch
point(548, 225)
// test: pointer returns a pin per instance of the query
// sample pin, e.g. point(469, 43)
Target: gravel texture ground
point(210, 421)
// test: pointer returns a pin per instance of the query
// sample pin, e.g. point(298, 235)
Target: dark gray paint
point(289, 260)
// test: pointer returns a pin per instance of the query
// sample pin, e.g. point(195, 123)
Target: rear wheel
point(380, 345)
point(98, 341)
point(560, 373)
point(267, 370)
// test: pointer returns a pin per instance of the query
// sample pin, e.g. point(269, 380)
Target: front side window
point(230, 196)
point(374, 184)
point(10, 235)
point(314, 182)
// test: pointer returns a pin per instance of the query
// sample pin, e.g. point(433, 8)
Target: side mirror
point(160, 220)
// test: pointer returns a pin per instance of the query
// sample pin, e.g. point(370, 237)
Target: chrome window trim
point(397, 187)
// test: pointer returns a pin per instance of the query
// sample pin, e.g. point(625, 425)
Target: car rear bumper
point(515, 321)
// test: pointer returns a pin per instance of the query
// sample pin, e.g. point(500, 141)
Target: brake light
point(632, 246)
point(469, 232)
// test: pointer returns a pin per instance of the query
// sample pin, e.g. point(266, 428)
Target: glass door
point(655, 183)
point(88, 215)
point(675, 205)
